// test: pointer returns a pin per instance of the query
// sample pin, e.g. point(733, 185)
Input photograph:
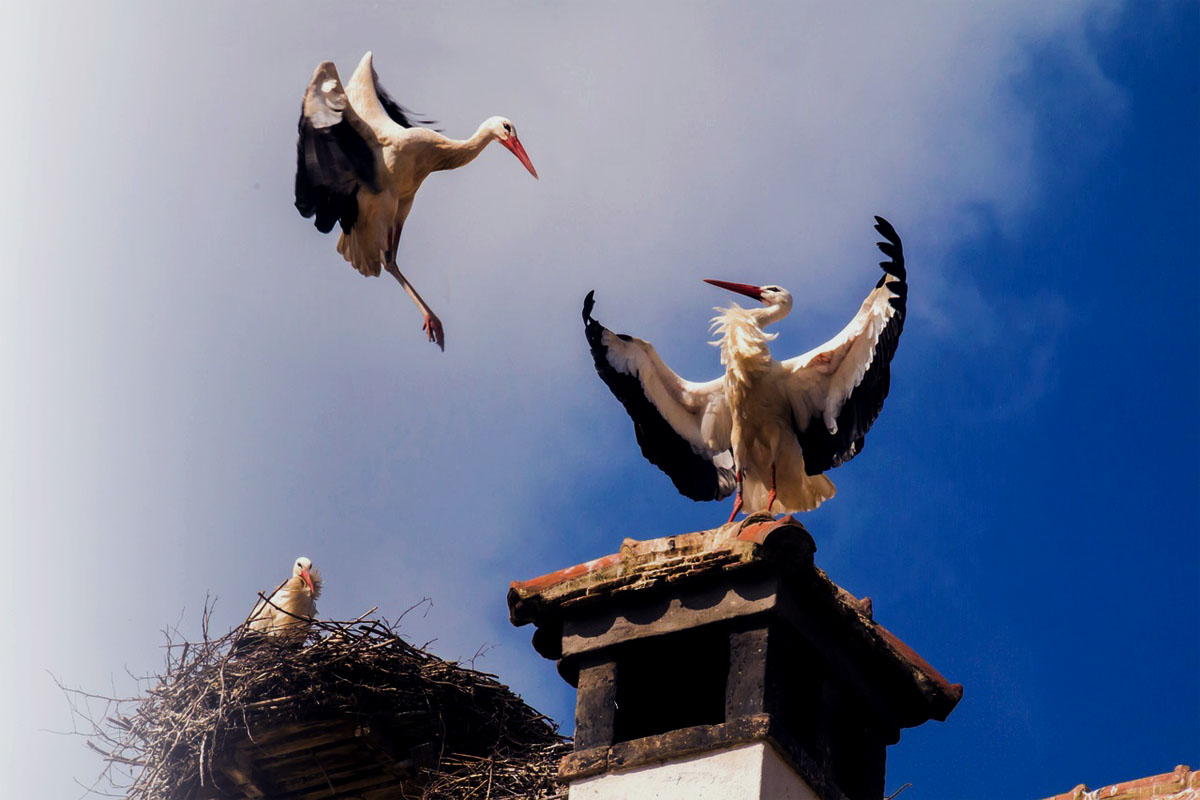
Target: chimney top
point(719, 639)
point(757, 544)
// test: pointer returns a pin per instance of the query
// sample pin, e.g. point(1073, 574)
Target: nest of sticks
point(438, 729)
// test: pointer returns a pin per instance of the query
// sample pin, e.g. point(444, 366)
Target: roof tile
point(1181, 784)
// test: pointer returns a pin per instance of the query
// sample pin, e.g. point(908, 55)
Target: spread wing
point(683, 427)
point(334, 156)
point(838, 389)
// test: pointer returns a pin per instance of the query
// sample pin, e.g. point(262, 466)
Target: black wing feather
point(824, 450)
point(694, 474)
point(332, 159)
point(404, 117)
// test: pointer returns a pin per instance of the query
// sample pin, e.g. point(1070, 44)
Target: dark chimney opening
point(671, 682)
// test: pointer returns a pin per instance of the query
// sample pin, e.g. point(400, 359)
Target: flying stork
point(361, 158)
point(290, 609)
point(766, 429)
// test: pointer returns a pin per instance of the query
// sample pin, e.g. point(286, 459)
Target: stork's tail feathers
point(359, 250)
point(796, 490)
point(794, 493)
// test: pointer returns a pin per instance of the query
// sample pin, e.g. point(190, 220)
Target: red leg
point(432, 325)
point(771, 496)
point(737, 503)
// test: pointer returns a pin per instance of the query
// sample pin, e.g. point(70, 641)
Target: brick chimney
point(723, 665)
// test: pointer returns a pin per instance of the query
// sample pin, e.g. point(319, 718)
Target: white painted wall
point(746, 772)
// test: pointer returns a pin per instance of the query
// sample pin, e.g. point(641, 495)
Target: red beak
point(514, 144)
point(307, 579)
point(740, 288)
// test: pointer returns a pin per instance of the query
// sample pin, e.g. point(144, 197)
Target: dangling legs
point(433, 325)
point(737, 503)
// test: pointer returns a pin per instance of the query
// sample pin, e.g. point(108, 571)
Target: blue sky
point(199, 390)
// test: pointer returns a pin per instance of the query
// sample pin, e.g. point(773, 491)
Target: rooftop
point(720, 555)
point(1181, 784)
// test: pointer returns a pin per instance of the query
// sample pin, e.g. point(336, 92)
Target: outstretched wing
point(683, 427)
point(838, 389)
point(333, 157)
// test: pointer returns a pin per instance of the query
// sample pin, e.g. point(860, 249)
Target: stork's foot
point(433, 327)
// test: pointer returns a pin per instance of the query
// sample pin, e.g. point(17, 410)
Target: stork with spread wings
point(767, 429)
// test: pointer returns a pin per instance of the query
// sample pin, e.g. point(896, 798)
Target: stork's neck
point(456, 153)
point(743, 343)
point(773, 313)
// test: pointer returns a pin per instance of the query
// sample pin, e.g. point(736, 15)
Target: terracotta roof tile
point(1181, 784)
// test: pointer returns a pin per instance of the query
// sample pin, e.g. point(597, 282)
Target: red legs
point(433, 325)
point(771, 496)
point(737, 503)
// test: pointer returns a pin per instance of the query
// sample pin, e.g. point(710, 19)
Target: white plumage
point(767, 429)
point(291, 608)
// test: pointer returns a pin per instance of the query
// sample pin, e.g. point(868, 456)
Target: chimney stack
point(723, 665)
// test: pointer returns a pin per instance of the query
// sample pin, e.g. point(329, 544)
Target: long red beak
point(307, 579)
point(740, 288)
point(518, 150)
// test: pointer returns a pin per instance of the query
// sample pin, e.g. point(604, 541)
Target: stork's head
point(504, 132)
point(770, 295)
point(304, 570)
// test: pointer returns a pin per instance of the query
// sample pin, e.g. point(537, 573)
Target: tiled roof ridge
point(731, 544)
point(644, 563)
point(1181, 784)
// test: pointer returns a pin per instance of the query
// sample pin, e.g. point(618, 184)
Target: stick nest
point(448, 731)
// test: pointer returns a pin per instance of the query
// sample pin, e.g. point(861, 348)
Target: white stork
point(290, 609)
point(767, 429)
point(360, 160)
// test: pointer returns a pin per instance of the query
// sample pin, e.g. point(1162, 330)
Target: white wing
point(837, 390)
point(683, 427)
